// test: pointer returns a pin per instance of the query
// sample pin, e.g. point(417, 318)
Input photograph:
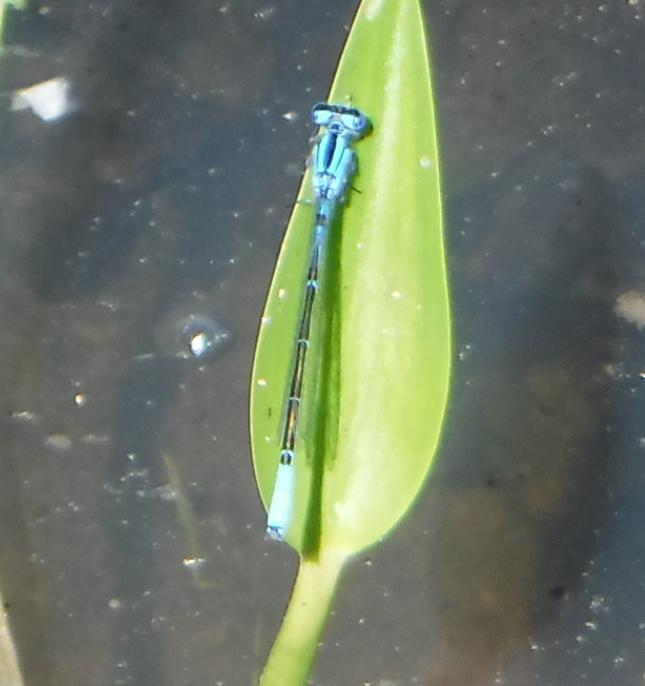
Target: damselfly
point(333, 166)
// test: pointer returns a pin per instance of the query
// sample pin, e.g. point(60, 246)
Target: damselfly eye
point(321, 115)
point(354, 121)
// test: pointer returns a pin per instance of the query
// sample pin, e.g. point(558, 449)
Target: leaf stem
point(295, 646)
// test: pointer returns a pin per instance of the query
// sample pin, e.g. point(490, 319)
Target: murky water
point(138, 237)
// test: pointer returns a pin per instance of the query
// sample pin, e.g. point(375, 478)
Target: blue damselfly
point(333, 166)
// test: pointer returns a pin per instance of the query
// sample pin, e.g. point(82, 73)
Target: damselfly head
point(341, 119)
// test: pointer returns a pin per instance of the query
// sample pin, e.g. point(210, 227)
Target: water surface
point(138, 237)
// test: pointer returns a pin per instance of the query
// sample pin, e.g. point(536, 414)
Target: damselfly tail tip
point(274, 533)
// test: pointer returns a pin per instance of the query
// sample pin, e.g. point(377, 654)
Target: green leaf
point(378, 365)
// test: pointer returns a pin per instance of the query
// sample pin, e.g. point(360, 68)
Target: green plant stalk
point(295, 647)
point(3, 11)
point(18, 4)
point(9, 669)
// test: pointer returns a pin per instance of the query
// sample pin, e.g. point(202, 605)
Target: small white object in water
point(199, 344)
point(631, 307)
point(205, 336)
point(49, 100)
point(115, 603)
point(58, 441)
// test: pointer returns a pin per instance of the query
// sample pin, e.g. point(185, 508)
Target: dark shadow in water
point(105, 160)
point(90, 151)
point(516, 497)
point(131, 517)
point(83, 156)
point(94, 181)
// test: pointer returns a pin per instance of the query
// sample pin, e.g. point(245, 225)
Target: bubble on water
point(205, 336)
point(165, 492)
point(199, 343)
point(193, 336)
point(562, 80)
point(619, 660)
point(264, 13)
point(599, 605)
point(115, 603)
point(465, 351)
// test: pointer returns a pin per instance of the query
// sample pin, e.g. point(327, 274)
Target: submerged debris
point(631, 307)
point(50, 100)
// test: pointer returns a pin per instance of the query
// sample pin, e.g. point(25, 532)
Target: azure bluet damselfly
point(334, 165)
